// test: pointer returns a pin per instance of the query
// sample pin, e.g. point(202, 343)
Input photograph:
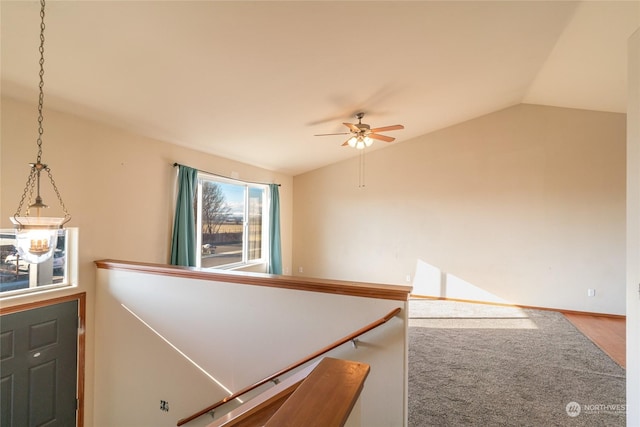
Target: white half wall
point(230, 335)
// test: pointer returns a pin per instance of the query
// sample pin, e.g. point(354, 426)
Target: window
point(230, 216)
point(18, 277)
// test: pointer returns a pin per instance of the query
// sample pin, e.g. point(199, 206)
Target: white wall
point(525, 205)
point(118, 188)
point(238, 334)
point(633, 234)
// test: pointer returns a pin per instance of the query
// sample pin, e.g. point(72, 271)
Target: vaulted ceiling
point(254, 81)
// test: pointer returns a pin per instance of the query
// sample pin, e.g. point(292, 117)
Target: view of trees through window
point(231, 222)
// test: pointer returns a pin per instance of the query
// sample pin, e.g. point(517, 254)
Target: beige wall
point(525, 205)
point(117, 186)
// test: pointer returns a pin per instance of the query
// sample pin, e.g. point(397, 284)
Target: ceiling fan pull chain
point(361, 170)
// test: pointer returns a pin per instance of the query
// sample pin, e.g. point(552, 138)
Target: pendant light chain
point(34, 177)
point(53, 183)
point(41, 85)
point(28, 189)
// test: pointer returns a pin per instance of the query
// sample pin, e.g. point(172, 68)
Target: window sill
point(43, 289)
point(255, 267)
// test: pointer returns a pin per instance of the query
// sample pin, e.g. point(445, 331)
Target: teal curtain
point(275, 251)
point(183, 244)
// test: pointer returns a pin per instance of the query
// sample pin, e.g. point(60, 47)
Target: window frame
point(69, 268)
point(264, 243)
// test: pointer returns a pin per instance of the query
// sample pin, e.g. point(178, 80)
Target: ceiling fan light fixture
point(368, 141)
point(362, 135)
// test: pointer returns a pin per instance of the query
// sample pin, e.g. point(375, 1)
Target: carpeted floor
point(481, 365)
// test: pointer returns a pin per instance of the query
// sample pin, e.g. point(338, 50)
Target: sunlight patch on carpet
point(424, 313)
point(473, 323)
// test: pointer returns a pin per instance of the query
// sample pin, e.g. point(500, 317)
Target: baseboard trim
point(560, 310)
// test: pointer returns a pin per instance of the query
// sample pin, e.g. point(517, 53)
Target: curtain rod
point(222, 176)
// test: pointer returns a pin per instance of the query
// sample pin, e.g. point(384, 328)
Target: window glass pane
point(254, 224)
point(231, 217)
point(222, 223)
point(16, 274)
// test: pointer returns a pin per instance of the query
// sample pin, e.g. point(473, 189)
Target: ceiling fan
point(362, 135)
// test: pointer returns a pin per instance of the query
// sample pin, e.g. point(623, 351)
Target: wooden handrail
point(299, 283)
point(293, 366)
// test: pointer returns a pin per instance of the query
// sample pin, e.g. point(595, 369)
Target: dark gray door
point(38, 366)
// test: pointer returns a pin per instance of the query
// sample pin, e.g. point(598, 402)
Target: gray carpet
point(480, 365)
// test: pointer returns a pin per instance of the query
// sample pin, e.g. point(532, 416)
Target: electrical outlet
point(591, 292)
point(300, 269)
point(164, 406)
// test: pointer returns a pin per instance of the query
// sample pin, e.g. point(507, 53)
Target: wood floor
point(608, 333)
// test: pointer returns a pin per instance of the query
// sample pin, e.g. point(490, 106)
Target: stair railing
point(351, 337)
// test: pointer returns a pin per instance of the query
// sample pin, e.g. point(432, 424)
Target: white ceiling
point(254, 81)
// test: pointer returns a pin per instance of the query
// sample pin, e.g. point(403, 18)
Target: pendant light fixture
point(37, 236)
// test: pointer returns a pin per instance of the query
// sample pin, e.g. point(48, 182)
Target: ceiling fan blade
point(346, 142)
point(387, 128)
point(327, 134)
point(381, 137)
point(353, 127)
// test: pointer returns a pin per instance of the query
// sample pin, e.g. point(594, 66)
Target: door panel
point(38, 366)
